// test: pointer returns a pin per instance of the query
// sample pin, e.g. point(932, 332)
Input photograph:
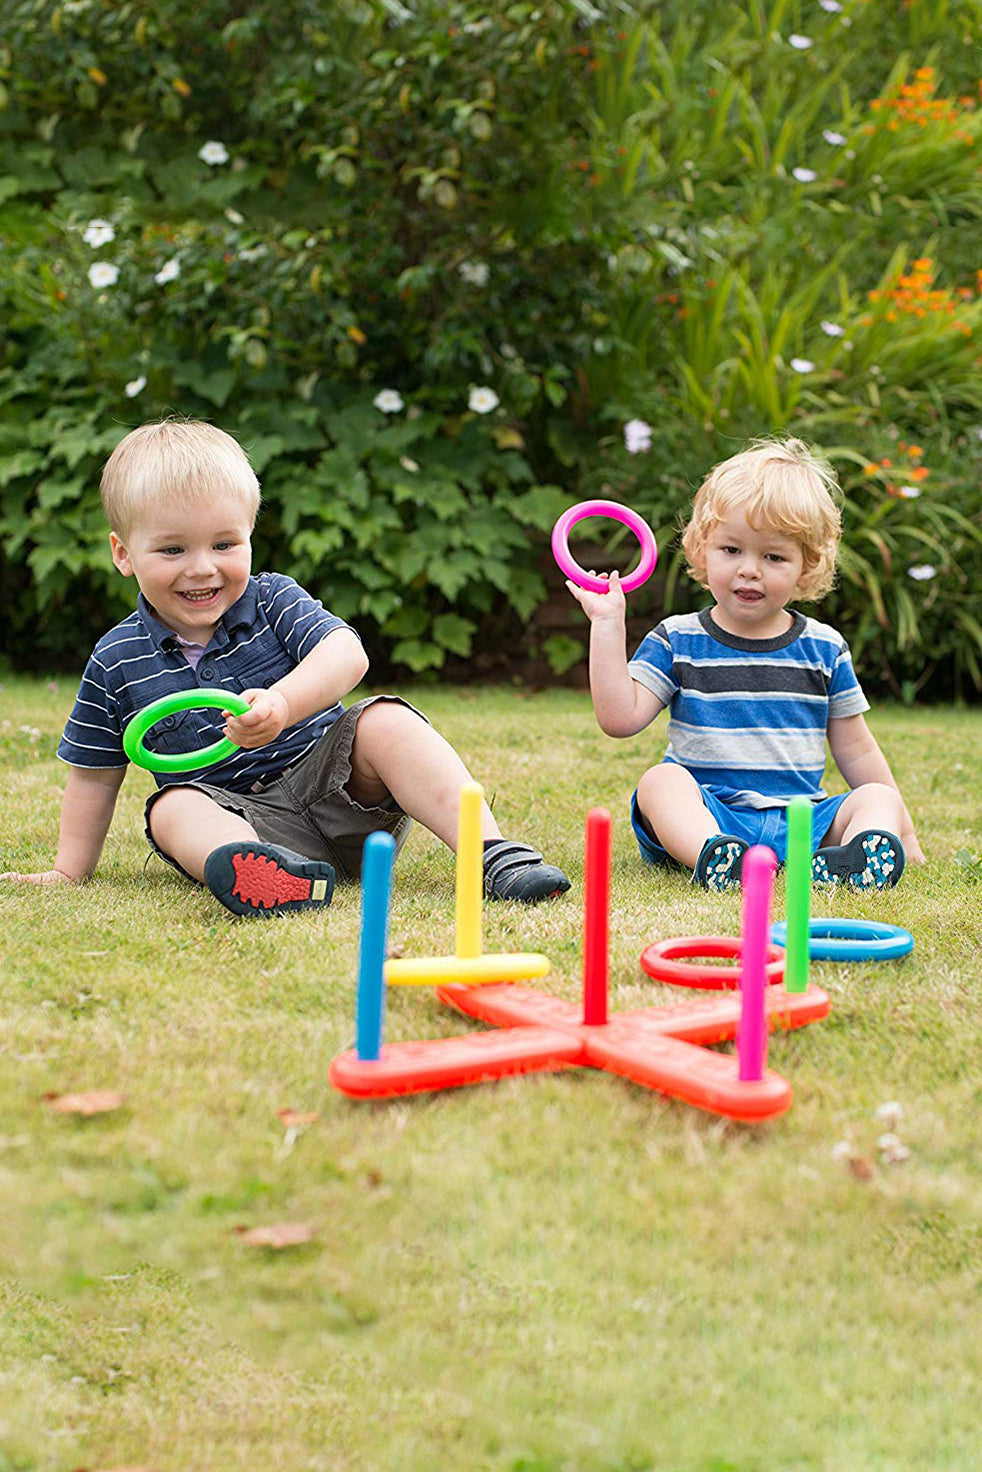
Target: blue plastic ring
point(850, 940)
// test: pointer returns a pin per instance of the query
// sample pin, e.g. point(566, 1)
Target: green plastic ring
point(168, 705)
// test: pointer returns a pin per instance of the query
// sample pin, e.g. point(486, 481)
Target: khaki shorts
point(308, 808)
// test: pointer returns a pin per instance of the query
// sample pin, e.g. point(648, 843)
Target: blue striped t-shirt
point(262, 637)
point(748, 717)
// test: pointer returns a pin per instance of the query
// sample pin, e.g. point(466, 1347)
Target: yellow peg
point(469, 871)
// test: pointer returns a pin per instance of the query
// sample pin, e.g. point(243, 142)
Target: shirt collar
point(242, 614)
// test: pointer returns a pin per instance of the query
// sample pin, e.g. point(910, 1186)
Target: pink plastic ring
point(669, 960)
point(617, 512)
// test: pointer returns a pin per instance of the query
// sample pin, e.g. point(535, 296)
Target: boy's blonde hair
point(174, 460)
point(779, 485)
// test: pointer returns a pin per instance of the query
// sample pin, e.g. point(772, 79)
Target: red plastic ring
point(665, 961)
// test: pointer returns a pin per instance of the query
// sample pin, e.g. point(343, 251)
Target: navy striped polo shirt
point(262, 637)
point(748, 717)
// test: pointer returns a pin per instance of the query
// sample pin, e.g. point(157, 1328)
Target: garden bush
point(427, 261)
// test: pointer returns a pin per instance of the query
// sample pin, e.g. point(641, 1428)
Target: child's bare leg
point(874, 805)
point(395, 752)
point(188, 826)
point(670, 799)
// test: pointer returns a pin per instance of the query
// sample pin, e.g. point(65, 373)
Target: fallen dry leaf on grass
point(92, 1101)
point(862, 1167)
point(280, 1234)
point(296, 1119)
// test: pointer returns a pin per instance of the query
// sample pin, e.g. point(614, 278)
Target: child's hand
point(268, 713)
point(47, 876)
point(599, 606)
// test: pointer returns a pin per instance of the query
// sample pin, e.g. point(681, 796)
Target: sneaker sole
point(868, 861)
point(256, 879)
point(720, 868)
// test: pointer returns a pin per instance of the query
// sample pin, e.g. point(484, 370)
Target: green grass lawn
point(555, 1272)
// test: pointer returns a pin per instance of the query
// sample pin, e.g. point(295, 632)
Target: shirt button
point(207, 674)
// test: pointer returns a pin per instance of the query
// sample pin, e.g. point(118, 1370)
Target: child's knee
point(665, 785)
point(174, 805)
point(384, 721)
point(885, 800)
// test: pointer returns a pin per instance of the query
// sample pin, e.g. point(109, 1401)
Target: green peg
point(798, 892)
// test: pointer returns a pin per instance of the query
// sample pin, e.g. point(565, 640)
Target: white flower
point(408, 463)
point(802, 365)
point(98, 232)
point(637, 437)
point(252, 252)
point(475, 27)
point(482, 400)
point(922, 572)
point(910, 493)
point(169, 271)
point(213, 153)
point(978, 432)
point(135, 386)
point(836, 139)
point(800, 43)
point(805, 176)
point(475, 273)
point(234, 218)
point(832, 6)
point(388, 401)
point(832, 329)
point(103, 273)
point(842, 1150)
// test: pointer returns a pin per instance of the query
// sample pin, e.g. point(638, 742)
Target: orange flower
point(920, 472)
point(923, 264)
point(871, 468)
point(924, 73)
point(181, 86)
point(914, 451)
point(98, 76)
point(356, 335)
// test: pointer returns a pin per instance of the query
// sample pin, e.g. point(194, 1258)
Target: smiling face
point(192, 562)
point(752, 574)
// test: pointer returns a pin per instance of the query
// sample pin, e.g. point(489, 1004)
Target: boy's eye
point(730, 549)
point(171, 551)
point(223, 546)
point(775, 557)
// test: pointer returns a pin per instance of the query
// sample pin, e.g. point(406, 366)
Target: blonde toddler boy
point(754, 688)
point(270, 827)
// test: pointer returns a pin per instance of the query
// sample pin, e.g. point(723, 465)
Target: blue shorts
point(754, 825)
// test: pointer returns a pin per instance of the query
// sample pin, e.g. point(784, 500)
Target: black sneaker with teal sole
point(720, 862)
point(872, 860)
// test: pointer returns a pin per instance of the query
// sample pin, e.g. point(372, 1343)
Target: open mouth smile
point(200, 595)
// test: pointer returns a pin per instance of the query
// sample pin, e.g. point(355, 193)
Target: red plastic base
point(662, 1048)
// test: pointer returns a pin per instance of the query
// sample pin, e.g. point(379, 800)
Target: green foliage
point(674, 213)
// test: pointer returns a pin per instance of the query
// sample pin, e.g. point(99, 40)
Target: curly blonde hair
point(183, 460)
point(782, 486)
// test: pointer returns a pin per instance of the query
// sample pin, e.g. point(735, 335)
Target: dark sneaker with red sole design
point(264, 879)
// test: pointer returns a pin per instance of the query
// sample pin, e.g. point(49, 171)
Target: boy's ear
point(120, 556)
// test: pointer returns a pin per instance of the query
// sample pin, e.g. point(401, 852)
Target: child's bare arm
point(857, 754)
point(331, 669)
point(87, 809)
point(622, 706)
